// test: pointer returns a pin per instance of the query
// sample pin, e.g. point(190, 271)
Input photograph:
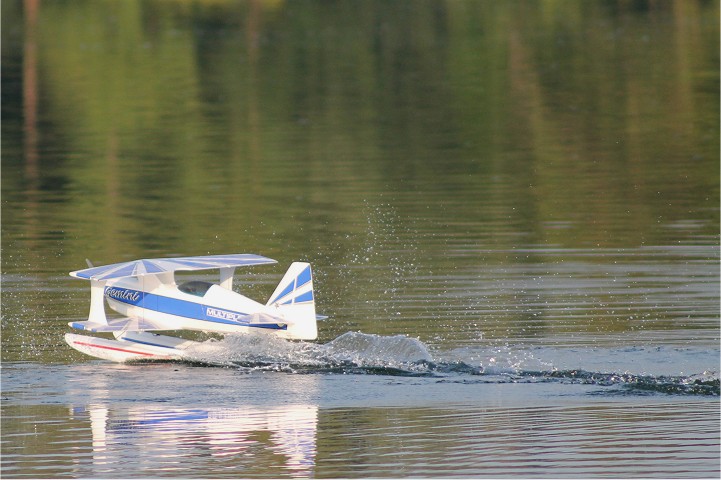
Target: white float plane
point(145, 292)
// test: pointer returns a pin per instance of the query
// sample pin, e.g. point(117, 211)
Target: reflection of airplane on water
point(145, 292)
point(153, 437)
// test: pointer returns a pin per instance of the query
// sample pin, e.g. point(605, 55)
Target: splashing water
point(399, 355)
point(374, 350)
point(348, 352)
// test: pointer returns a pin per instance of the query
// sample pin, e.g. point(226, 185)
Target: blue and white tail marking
point(295, 287)
point(293, 299)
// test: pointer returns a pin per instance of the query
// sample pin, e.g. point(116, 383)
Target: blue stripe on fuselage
point(182, 308)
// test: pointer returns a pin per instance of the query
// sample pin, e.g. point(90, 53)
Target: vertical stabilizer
point(294, 302)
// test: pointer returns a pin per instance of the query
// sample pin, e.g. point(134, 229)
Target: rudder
point(293, 300)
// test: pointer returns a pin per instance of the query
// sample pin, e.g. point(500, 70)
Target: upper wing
point(160, 265)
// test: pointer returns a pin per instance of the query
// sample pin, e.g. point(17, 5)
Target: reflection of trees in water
point(199, 120)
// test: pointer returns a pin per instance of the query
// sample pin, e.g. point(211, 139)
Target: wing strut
point(97, 302)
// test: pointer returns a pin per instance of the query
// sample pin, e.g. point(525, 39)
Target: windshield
point(195, 287)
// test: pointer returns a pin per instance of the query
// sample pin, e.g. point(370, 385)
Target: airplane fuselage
point(216, 309)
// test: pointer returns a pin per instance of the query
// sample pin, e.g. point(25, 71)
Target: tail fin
point(293, 301)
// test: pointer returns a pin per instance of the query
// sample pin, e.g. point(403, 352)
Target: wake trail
point(366, 354)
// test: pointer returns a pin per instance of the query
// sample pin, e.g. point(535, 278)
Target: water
point(358, 406)
point(512, 211)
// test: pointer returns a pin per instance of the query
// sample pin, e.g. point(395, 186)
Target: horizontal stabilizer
point(264, 319)
point(117, 325)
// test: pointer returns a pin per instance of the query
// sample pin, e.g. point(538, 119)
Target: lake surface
point(511, 208)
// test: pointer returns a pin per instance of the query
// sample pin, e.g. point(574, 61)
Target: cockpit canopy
point(195, 287)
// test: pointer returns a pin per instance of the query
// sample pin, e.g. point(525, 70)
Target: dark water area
point(511, 209)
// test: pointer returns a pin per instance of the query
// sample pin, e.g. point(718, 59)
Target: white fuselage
point(165, 304)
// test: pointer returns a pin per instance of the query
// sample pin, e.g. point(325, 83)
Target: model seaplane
point(147, 295)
